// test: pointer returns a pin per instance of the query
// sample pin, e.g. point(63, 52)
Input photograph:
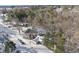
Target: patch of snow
point(59, 9)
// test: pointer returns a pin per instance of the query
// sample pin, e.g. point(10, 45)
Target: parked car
point(39, 39)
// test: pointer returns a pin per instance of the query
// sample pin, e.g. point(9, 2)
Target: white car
point(39, 39)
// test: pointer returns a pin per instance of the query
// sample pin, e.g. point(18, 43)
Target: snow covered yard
point(22, 45)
